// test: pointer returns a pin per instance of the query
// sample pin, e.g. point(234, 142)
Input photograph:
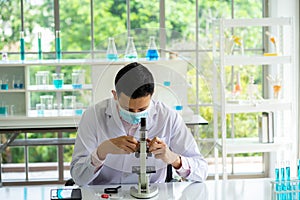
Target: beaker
point(69, 102)
point(40, 108)
point(130, 52)
point(17, 83)
point(79, 109)
point(152, 53)
point(78, 79)
point(58, 80)
point(42, 79)
point(47, 100)
point(111, 53)
point(3, 110)
point(4, 83)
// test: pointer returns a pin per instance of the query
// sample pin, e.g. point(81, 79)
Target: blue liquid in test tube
point(40, 46)
point(58, 45)
point(298, 171)
point(277, 185)
point(22, 46)
point(288, 179)
point(283, 185)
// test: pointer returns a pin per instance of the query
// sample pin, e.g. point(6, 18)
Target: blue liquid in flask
point(112, 56)
point(152, 54)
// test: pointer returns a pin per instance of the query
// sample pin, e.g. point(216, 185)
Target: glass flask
point(130, 52)
point(152, 53)
point(111, 53)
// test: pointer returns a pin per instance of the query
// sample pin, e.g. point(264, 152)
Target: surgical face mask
point(131, 117)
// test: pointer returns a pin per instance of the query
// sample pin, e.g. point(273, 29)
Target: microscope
point(144, 190)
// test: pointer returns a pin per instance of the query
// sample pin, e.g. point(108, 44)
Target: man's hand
point(162, 151)
point(119, 145)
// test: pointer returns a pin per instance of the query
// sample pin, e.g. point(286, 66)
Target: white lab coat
point(101, 122)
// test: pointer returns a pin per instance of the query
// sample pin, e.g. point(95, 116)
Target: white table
point(244, 189)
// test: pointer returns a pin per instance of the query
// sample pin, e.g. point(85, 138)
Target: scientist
point(108, 136)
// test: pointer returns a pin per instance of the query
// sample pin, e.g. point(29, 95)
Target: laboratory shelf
point(19, 122)
point(259, 106)
point(279, 64)
point(51, 88)
point(252, 145)
point(256, 60)
point(69, 62)
point(12, 91)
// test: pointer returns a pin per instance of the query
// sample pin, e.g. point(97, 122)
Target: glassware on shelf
point(111, 53)
point(47, 100)
point(69, 105)
point(252, 90)
point(130, 52)
point(152, 52)
point(58, 45)
point(40, 53)
point(58, 80)
point(237, 88)
point(69, 102)
point(4, 56)
point(231, 41)
point(276, 83)
point(3, 109)
point(78, 79)
point(79, 109)
point(42, 79)
point(22, 46)
point(17, 83)
point(4, 83)
point(40, 109)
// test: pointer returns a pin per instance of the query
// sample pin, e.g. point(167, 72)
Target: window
point(182, 26)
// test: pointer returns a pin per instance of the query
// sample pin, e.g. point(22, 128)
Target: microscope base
point(153, 191)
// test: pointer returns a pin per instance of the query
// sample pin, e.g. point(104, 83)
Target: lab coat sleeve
point(183, 143)
point(82, 170)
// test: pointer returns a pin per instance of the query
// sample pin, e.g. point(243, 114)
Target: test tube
point(277, 180)
point(298, 171)
point(58, 45)
point(288, 179)
point(283, 180)
point(22, 46)
point(40, 54)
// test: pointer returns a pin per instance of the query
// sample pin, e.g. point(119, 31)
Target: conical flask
point(152, 53)
point(111, 53)
point(130, 52)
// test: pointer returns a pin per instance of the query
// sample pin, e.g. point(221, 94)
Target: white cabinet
point(281, 64)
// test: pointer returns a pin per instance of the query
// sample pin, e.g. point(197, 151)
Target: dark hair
point(135, 81)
